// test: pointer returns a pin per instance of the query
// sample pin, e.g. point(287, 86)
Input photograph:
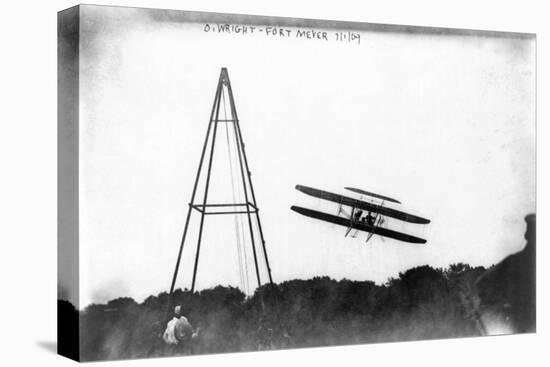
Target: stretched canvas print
point(233, 183)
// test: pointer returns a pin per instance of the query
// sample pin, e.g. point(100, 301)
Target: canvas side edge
point(68, 339)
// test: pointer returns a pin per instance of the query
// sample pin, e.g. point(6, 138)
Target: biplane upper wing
point(378, 196)
point(358, 225)
point(344, 200)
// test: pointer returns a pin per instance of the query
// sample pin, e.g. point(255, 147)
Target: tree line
point(421, 303)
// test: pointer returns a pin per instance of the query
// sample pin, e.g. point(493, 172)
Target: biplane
point(367, 216)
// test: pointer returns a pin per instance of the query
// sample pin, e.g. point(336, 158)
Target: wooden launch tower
point(204, 208)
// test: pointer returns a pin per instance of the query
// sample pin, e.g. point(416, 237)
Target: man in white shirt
point(179, 330)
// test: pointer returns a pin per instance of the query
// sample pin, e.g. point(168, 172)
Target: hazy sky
point(443, 123)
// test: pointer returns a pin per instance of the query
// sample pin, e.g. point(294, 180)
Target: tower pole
point(190, 208)
point(241, 166)
point(240, 143)
point(205, 198)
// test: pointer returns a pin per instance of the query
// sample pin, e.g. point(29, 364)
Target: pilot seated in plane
point(369, 219)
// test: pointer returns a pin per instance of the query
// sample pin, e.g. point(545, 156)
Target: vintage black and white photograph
point(236, 183)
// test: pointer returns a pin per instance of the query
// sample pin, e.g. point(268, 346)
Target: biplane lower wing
point(360, 226)
point(358, 204)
